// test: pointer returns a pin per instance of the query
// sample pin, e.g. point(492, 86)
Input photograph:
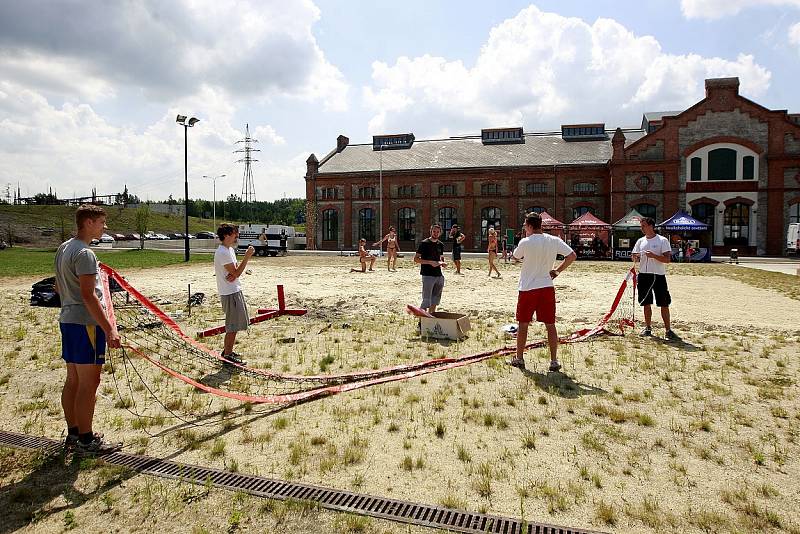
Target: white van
point(793, 238)
point(270, 239)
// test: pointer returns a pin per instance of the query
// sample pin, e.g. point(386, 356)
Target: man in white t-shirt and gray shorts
point(653, 252)
point(227, 271)
point(537, 293)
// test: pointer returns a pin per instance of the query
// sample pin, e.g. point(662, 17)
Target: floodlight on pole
point(181, 119)
point(214, 182)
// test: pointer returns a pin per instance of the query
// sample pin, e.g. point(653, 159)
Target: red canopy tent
point(552, 225)
point(582, 232)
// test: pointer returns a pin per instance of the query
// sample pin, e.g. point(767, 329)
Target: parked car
point(132, 237)
point(105, 238)
point(119, 237)
point(161, 237)
point(175, 235)
point(206, 235)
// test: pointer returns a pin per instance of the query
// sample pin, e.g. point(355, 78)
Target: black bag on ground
point(43, 293)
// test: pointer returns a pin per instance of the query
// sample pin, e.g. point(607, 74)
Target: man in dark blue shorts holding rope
point(653, 252)
point(85, 331)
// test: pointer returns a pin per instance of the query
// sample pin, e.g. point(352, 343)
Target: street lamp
point(214, 182)
point(181, 119)
point(380, 196)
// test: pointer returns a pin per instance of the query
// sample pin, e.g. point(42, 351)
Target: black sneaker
point(235, 358)
point(554, 366)
point(646, 332)
point(519, 363)
point(96, 447)
point(671, 336)
point(72, 439)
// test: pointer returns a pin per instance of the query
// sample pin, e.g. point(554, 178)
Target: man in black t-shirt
point(457, 237)
point(430, 256)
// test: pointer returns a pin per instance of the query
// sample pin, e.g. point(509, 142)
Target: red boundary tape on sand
point(411, 370)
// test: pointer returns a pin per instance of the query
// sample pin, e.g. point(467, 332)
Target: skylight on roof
point(583, 132)
point(392, 142)
point(496, 136)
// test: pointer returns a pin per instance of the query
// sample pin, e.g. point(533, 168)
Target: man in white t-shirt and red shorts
point(653, 252)
point(227, 271)
point(537, 294)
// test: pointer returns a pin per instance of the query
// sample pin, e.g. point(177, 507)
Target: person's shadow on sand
point(29, 500)
point(561, 384)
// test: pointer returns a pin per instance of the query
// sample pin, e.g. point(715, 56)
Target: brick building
point(726, 160)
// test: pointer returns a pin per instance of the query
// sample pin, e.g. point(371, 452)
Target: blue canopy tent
point(686, 232)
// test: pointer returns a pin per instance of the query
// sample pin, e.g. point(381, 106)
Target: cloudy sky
point(89, 89)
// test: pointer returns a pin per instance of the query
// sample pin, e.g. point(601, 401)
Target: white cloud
point(71, 148)
point(541, 69)
point(715, 9)
point(169, 49)
point(794, 35)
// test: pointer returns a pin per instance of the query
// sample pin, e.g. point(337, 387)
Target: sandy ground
point(635, 435)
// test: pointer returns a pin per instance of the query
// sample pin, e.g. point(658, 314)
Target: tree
point(142, 220)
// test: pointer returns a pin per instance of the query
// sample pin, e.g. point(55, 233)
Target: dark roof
point(469, 152)
point(658, 115)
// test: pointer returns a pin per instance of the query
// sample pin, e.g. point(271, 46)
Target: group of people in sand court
point(86, 329)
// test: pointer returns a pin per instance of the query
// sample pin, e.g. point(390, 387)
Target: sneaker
point(519, 363)
point(96, 447)
point(234, 358)
point(72, 439)
point(645, 333)
point(671, 336)
point(554, 366)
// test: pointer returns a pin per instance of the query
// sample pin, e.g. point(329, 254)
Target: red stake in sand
point(263, 315)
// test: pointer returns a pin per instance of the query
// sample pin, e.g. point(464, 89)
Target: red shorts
point(540, 301)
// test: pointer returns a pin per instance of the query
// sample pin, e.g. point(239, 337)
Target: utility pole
point(248, 187)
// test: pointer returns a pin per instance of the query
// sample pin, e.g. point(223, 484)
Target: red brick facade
point(668, 169)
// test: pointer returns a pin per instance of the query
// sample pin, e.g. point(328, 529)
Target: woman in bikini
point(492, 250)
point(392, 248)
point(363, 257)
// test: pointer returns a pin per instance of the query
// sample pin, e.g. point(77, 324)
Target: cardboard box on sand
point(445, 325)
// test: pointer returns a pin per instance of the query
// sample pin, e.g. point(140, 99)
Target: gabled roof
point(631, 220)
point(589, 220)
point(469, 152)
point(548, 221)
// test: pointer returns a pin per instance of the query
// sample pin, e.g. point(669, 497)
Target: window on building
point(447, 218)
point(328, 193)
point(794, 213)
point(489, 217)
point(405, 191)
point(406, 224)
point(748, 167)
point(447, 190)
point(584, 187)
point(696, 172)
point(580, 210)
point(722, 164)
point(646, 210)
point(330, 225)
point(366, 224)
point(535, 209)
point(366, 193)
point(736, 224)
point(704, 213)
point(644, 182)
point(490, 189)
point(535, 188)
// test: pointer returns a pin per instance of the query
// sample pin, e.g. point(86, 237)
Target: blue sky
point(89, 91)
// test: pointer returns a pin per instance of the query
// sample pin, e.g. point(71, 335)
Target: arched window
point(490, 189)
point(646, 210)
point(447, 190)
point(366, 224)
point(489, 217)
point(748, 167)
point(330, 225)
point(722, 164)
point(535, 188)
point(736, 224)
point(645, 182)
point(794, 213)
point(696, 173)
point(704, 213)
point(535, 209)
point(447, 218)
point(406, 224)
point(584, 187)
point(580, 210)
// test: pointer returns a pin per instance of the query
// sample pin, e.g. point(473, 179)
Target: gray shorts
point(431, 291)
point(235, 307)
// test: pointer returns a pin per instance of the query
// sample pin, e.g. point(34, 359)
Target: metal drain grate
point(332, 499)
